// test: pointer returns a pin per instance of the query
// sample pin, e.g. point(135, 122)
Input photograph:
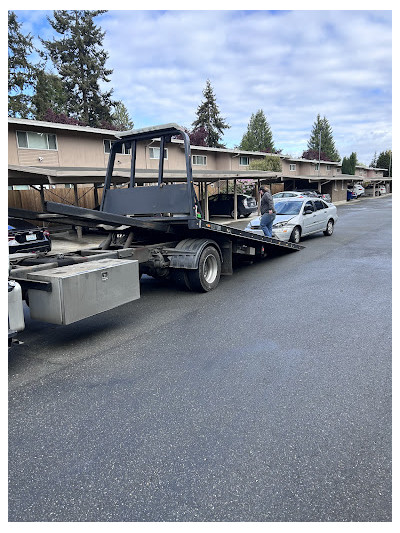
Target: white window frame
point(292, 167)
point(316, 167)
point(152, 150)
point(125, 151)
point(33, 147)
point(196, 157)
point(328, 168)
point(244, 164)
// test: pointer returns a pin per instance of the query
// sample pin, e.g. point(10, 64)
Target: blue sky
point(291, 64)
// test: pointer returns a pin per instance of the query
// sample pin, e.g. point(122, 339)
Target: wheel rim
point(296, 235)
point(210, 268)
point(330, 227)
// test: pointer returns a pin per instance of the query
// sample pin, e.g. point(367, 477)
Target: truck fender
point(191, 250)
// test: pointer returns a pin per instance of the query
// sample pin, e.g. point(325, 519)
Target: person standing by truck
point(268, 212)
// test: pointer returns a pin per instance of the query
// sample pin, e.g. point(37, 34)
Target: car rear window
point(20, 224)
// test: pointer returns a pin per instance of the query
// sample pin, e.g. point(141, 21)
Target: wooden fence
point(30, 199)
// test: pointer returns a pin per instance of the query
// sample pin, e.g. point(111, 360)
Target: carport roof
point(24, 175)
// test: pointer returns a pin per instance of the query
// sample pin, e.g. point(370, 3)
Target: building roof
point(313, 161)
point(122, 134)
point(59, 126)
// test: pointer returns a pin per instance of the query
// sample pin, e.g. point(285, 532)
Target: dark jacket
point(267, 203)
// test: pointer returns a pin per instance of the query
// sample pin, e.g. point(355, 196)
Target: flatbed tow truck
point(158, 230)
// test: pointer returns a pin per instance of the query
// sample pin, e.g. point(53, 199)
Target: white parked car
point(358, 190)
point(293, 194)
point(298, 217)
point(380, 189)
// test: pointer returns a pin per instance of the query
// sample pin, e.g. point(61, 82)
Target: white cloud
point(291, 64)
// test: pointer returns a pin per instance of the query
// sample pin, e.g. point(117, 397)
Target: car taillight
point(46, 233)
point(10, 238)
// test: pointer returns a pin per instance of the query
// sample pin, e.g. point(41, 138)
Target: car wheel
point(246, 215)
point(296, 235)
point(207, 274)
point(329, 228)
point(233, 214)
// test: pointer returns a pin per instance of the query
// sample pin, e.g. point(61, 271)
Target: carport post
point(258, 197)
point(206, 215)
point(235, 199)
point(42, 196)
point(373, 191)
point(95, 194)
point(78, 228)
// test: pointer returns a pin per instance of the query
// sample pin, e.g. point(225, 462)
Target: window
point(316, 167)
point(244, 161)
point(121, 150)
point(37, 141)
point(328, 167)
point(154, 152)
point(292, 166)
point(319, 205)
point(199, 160)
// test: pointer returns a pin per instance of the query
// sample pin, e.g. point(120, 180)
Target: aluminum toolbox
point(84, 289)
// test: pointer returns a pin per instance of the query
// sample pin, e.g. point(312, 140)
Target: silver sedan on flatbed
point(298, 217)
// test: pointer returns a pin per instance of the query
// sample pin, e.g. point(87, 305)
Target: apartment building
point(39, 151)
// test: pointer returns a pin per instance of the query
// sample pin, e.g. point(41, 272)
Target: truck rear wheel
point(206, 276)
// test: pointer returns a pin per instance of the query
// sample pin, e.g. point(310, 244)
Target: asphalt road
point(268, 399)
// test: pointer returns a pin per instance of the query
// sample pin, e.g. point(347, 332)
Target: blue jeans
point(266, 223)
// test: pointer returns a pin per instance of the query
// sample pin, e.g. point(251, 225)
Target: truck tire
point(206, 276)
point(179, 277)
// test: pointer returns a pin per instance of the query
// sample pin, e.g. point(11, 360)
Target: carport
point(41, 178)
point(336, 185)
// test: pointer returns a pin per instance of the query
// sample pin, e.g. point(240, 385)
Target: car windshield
point(288, 208)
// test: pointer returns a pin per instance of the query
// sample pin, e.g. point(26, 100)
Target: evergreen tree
point(258, 137)
point(374, 160)
point(20, 70)
point(50, 94)
point(322, 126)
point(209, 117)
point(349, 164)
point(352, 163)
point(121, 118)
point(345, 166)
point(385, 161)
point(80, 60)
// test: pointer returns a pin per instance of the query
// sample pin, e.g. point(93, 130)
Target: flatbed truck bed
point(158, 228)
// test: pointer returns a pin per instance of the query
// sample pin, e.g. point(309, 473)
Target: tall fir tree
point(50, 94)
point(21, 73)
point(322, 126)
point(80, 60)
point(209, 118)
point(258, 137)
point(374, 160)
